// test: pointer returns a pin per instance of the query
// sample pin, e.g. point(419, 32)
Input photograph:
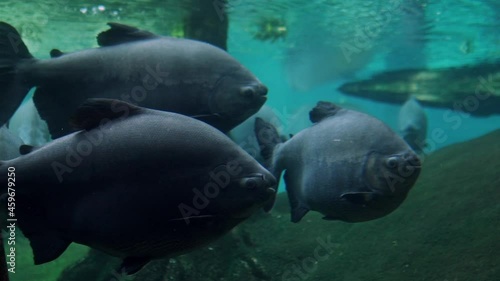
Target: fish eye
point(250, 184)
point(253, 182)
point(392, 162)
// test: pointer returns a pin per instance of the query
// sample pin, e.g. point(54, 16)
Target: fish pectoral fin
point(359, 197)
point(298, 213)
point(331, 218)
point(132, 265)
point(90, 114)
point(121, 33)
point(55, 53)
point(47, 243)
point(186, 219)
point(206, 115)
point(207, 118)
point(47, 247)
point(269, 204)
point(25, 149)
point(214, 119)
point(323, 110)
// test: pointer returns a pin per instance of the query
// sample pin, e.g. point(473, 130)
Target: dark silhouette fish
point(177, 75)
point(348, 166)
point(471, 88)
point(135, 183)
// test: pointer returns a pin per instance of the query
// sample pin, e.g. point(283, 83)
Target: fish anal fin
point(322, 110)
point(121, 33)
point(47, 247)
point(132, 265)
point(268, 206)
point(94, 111)
point(298, 208)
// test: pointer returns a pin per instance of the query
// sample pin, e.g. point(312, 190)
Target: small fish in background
point(413, 124)
point(171, 74)
point(445, 87)
point(9, 144)
point(348, 166)
point(244, 135)
point(147, 184)
point(28, 125)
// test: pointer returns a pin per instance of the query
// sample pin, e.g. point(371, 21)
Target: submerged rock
point(446, 230)
point(474, 89)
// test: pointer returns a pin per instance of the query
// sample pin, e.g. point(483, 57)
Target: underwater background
point(303, 51)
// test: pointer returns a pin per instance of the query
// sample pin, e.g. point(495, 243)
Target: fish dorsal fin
point(121, 33)
point(323, 110)
point(94, 111)
point(55, 53)
point(25, 149)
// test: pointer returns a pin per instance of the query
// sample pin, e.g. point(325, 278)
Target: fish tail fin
point(13, 87)
point(267, 137)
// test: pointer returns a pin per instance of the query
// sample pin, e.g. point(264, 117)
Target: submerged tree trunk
point(208, 22)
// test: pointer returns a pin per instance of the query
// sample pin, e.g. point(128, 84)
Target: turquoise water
point(441, 34)
point(301, 67)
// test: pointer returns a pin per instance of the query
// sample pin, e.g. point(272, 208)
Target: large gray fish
point(177, 75)
point(413, 124)
point(348, 166)
point(135, 183)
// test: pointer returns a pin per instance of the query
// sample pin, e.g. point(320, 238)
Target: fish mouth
point(268, 194)
point(255, 93)
point(261, 100)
